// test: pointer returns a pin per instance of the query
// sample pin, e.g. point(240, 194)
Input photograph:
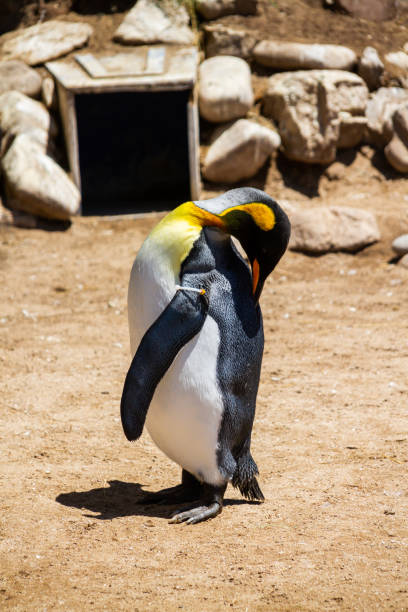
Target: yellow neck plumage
point(178, 231)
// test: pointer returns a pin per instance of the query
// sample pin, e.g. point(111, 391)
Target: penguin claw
point(196, 515)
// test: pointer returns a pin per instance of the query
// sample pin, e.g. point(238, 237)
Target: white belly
point(185, 414)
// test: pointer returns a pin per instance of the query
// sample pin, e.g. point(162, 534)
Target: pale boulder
point(225, 89)
point(400, 122)
point(308, 107)
point(224, 40)
point(16, 75)
point(400, 245)
point(150, 22)
point(397, 65)
point(20, 114)
point(239, 152)
point(212, 9)
point(352, 130)
point(397, 154)
point(379, 113)
point(36, 184)
point(396, 150)
point(45, 41)
point(371, 68)
point(281, 55)
point(330, 229)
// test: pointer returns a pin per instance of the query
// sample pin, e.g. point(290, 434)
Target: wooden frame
point(179, 72)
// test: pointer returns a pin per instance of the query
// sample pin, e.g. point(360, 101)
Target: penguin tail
point(244, 478)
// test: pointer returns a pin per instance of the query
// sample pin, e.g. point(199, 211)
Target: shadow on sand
point(121, 499)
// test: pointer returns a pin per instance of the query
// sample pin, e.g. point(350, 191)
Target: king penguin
point(197, 341)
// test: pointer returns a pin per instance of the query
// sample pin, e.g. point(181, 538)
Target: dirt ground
point(331, 431)
point(330, 437)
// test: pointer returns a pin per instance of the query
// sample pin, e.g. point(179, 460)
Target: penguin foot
point(173, 495)
point(211, 504)
point(196, 515)
point(188, 491)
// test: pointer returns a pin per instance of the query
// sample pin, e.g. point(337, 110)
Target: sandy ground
point(330, 437)
point(331, 432)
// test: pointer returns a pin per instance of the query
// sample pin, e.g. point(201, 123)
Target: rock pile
point(318, 98)
point(34, 183)
point(318, 95)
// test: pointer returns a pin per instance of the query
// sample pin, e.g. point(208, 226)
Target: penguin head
point(260, 225)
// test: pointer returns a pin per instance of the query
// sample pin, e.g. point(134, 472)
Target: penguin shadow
point(120, 499)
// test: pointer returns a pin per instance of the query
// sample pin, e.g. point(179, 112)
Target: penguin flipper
point(181, 320)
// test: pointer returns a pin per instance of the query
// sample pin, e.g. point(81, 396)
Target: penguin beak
point(257, 282)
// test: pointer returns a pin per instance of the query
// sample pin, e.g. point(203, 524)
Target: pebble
point(28, 314)
point(400, 245)
point(404, 261)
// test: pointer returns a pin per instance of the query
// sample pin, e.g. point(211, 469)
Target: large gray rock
point(379, 112)
point(239, 152)
point(309, 107)
point(225, 90)
point(371, 68)
point(282, 55)
point(20, 114)
point(36, 184)
point(16, 75)
point(212, 9)
point(151, 22)
point(45, 41)
point(224, 40)
point(397, 65)
point(373, 10)
point(323, 230)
